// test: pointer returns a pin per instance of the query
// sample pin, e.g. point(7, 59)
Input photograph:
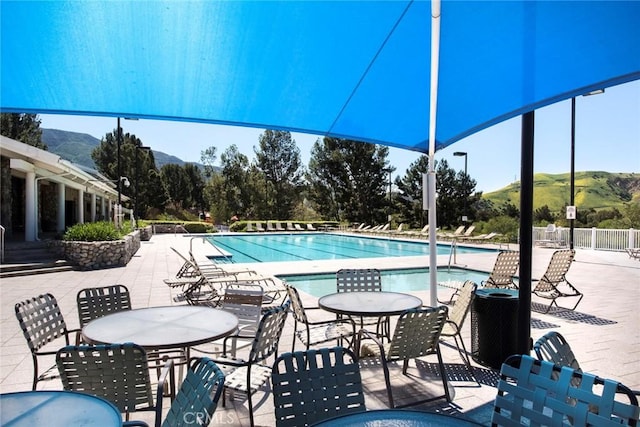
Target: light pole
point(572, 212)
point(136, 206)
point(389, 214)
point(460, 154)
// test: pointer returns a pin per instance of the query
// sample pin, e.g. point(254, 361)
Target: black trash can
point(494, 319)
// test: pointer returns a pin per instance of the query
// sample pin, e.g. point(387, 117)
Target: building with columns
point(43, 193)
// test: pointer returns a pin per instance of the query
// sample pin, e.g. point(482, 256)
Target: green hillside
point(77, 147)
point(597, 190)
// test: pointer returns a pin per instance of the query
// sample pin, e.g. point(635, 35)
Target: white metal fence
point(593, 238)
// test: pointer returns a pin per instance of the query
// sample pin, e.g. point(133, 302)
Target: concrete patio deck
point(604, 331)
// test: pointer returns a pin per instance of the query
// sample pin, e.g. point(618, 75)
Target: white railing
point(593, 238)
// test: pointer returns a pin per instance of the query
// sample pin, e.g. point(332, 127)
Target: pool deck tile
point(603, 331)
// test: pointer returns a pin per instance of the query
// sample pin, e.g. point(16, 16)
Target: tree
point(208, 158)
point(543, 215)
point(178, 185)
point(142, 174)
point(455, 194)
point(22, 127)
point(194, 175)
point(278, 158)
point(411, 203)
point(348, 180)
point(229, 192)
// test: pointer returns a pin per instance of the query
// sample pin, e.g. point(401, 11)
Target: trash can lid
point(497, 293)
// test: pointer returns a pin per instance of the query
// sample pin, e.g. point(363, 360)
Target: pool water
point(270, 247)
point(405, 280)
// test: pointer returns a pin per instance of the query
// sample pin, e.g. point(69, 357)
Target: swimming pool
point(270, 247)
point(405, 280)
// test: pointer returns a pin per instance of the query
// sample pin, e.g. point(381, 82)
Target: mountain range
point(595, 190)
point(77, 147)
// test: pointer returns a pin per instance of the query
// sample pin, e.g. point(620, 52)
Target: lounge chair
point(259, 227)
point(298, 227)
point(551, 237)
point(290, 227)
point(374, 229)
point(554, 283)
point(480, 237)
point(468, 231)
point(633, 253)
point(279, 227)
point(384, 228)
point(453, 235)
point(310, 227)
point(419, 233)
point(249, 228)
point(270, 226)
point(504, 270)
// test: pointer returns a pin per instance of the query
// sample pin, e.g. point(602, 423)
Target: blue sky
point(607, 139)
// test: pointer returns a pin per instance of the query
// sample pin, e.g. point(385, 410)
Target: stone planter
point(99, 255)
point(146, 233)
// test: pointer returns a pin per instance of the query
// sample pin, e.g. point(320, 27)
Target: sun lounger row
point(205, 283)
point(277, 226)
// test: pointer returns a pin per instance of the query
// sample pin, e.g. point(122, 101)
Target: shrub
point(93, 232)
point(198, 227)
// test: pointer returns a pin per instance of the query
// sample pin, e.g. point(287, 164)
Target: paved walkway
point(604, 332)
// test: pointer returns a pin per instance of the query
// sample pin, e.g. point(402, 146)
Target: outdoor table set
point(162, 328)
point(126, 342)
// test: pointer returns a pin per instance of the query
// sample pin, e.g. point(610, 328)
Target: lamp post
point(572, 212)
point(137, 178)
point(461, 154)
point(389, 170)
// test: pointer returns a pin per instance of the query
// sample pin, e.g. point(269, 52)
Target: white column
point(30, 224)
point(93, 207)
point(102, 209)
point(109, 216)
point(81, 206)
point(61, 206)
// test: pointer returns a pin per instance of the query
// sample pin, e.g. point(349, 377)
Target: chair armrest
point(229, 362)
point(135, 423)
point(167, 370)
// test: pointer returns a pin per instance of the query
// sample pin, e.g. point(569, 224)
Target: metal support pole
point(526, 238)
point(573, 168)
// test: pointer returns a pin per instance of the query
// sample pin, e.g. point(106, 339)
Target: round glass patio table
point(161, 327)
point(53, 408)
point(369, 303)
point(395, 417)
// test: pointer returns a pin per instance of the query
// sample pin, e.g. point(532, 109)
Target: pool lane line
point(229, 247)
point(336, 251)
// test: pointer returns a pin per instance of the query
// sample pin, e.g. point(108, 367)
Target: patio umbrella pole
point(433, 104)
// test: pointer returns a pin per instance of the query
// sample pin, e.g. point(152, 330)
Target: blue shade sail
point(353, 69)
